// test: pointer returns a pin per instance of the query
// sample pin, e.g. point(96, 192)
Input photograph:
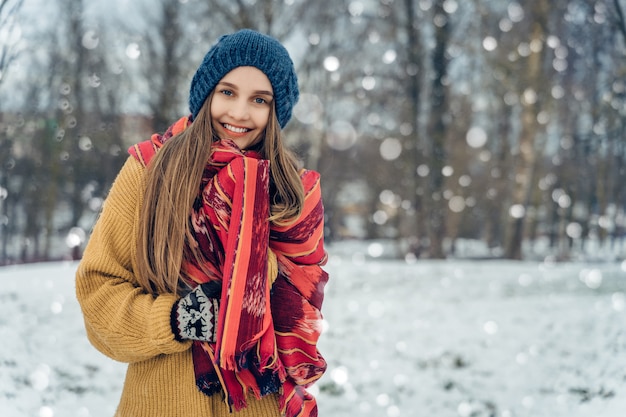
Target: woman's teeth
point(235, 129)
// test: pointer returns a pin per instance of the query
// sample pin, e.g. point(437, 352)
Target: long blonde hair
point(173, 183)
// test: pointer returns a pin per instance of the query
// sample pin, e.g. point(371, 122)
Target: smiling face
point(241, 105)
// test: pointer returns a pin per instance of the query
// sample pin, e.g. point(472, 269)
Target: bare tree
point(9, 10)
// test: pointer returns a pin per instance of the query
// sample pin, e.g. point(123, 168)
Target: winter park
point(472, 157)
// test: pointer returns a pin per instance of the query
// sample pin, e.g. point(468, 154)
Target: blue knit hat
point(247, 48)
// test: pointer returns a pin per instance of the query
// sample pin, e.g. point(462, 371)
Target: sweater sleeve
point(121, 319)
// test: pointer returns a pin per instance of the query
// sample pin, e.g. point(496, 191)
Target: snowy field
point(431, 338)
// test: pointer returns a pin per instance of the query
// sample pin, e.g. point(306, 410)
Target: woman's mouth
point(235, 129)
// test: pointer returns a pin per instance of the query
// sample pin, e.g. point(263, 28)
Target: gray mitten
point(194, 316)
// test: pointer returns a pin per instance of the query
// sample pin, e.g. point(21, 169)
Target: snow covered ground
point(429, 338)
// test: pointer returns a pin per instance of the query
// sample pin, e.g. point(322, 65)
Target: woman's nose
point(239, 110)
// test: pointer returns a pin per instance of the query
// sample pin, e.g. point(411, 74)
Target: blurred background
point(445, 128)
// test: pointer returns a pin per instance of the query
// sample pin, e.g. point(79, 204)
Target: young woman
point(203, 271)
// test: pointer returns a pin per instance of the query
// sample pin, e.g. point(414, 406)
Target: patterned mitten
point(194, 316)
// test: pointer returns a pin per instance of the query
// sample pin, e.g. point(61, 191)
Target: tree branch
point(620, 17)
point(7, 51)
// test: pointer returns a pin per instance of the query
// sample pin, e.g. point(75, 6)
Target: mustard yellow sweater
point(129, 325)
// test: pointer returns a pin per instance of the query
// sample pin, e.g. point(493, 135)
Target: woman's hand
point(194, 316)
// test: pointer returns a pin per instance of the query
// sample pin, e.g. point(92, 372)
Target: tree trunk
point(437, 134)
point(165, 107)
point(414, 227)
point(524, 179)
point(76, 71)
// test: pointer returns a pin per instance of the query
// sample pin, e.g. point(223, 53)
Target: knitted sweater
point(129, 325)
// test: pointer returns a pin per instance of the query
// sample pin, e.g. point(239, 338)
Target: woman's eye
point(260, 100)
point(227, 92)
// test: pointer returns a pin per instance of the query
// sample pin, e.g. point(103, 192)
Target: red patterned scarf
point(267, 333)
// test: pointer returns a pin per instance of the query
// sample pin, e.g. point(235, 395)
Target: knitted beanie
point(247, 48)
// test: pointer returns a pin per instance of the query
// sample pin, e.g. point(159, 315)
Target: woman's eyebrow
point(265, 92)
point(227, 84)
